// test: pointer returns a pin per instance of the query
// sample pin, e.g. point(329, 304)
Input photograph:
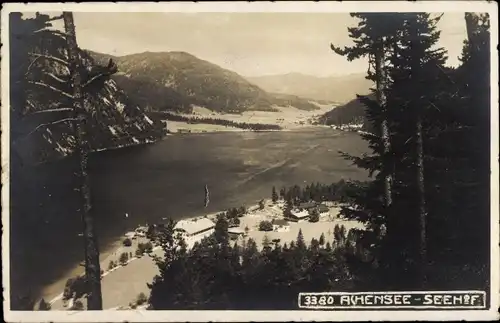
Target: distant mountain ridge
point(340, 89)
point(350, 113)
point(176, 81)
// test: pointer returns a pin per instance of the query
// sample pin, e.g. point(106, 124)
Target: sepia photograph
point(296, 161)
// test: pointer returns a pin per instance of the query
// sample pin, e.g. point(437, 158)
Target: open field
point(287, 118)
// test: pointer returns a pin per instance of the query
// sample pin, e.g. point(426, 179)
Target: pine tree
point(314, 246)
point(274, 195)
point(374, 35)
point(38, 51)
point(410, 66)
point(282, 193)
point(415, 65)
point(423, 37)
point(266, 243)
point(221, 229)
point(92, 266)
point(287, 212)
point(467, 179)
point(300, 244)
point(322, 239)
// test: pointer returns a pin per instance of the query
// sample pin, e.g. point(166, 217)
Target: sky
point(251, 44)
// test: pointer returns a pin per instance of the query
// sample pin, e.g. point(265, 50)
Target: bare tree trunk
point(421, 198)
point(92, 266)
point(382, 101)
point(470, 26)
point(416, 109)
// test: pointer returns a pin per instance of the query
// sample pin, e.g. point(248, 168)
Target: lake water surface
point(167, 179)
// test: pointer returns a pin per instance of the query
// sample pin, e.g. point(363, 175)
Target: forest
point(216, 121)
point(317, 192)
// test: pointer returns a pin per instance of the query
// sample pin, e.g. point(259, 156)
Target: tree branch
point(55, 32)
point(55, 18)
point(95, 78)
point(53, 110)
point(31, 65)
point(52, 88)
point(56, 78)
point(48, 124)
point(50, 57)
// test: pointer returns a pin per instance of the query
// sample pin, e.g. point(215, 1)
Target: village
point(268, 221)
point(126, 271)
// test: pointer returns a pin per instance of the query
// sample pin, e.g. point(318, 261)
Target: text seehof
point(377, 300)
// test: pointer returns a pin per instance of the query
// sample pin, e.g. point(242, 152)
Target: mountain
point(339, 89)
point(351, 112)
point(41, 118)
point(176, 81)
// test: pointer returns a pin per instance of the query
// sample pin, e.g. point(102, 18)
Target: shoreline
point(191, 129)
point(105, 255)
point(286, 118)
point(251, 219)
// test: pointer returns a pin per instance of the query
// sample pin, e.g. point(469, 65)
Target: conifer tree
point(414, 65)
point(424, 61)
point(221, 229)
point(274, 195)
point(282, 193)
point(374, 35)
point(300, 244)
point(48, 71)
point(322, 239)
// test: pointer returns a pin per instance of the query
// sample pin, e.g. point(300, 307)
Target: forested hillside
point(176, 81)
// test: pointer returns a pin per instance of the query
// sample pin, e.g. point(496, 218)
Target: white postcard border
point(299, 315)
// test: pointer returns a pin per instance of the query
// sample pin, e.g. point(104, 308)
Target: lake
point(165, 179)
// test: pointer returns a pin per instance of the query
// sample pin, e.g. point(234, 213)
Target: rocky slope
point(176, 81)
point(38, 133)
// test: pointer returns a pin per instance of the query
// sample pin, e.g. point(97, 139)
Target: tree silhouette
point(274, 195)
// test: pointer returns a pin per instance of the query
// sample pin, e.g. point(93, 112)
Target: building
point(141, 231)
point(323, 210)
point(235, 233)
point(281, 225)
point(307, 206)
point(297, 216)
point(131, 235)
point(195, 227)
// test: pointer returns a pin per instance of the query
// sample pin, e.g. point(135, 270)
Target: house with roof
point(141, 231)
point(323, 210)
point(131, 235)
point(236, 232)
point(281, 225)
point(298, 215)
point(308, 206)
point(202, 227)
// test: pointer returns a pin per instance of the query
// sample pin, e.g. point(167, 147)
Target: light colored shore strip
point(60, 296)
